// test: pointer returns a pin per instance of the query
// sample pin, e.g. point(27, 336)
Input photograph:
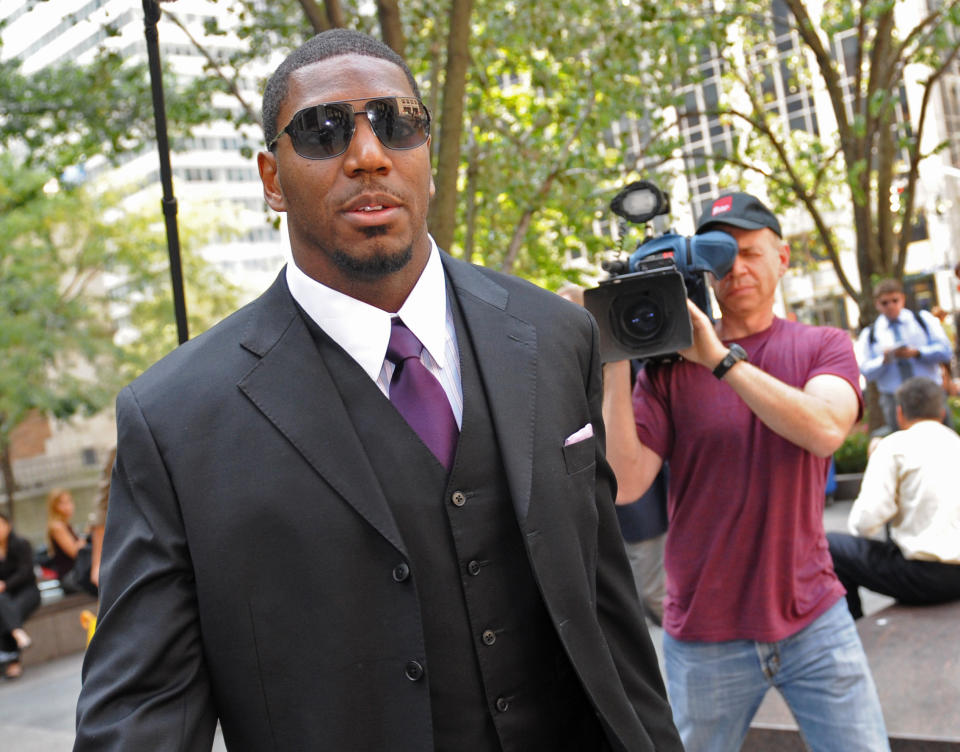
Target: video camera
point(641, 309)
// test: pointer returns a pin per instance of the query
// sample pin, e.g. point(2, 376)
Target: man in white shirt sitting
point(911, 483)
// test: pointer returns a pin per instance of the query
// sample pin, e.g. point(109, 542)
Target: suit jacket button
point(502, 704)
point(401, 572)
point(459, 498)
point(414, 671)
point(489, 637)
point(474, 568)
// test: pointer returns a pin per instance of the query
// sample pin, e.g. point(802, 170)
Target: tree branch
point(230, 82)
point(334, 13)
point(520, 231)
point(825, 64)
point(316, 15)
point(915, 156)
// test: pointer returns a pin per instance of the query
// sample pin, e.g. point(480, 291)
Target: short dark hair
point(324, 45)
point(886, 287)
point(920, 399)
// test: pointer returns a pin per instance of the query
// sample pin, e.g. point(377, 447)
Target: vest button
point(488, 637)
point(459, 498)
point(474, 567)
point(502, 704)
point(413, 671)
point(401, 572)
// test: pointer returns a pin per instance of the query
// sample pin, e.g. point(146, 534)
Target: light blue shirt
point(934, 348)
point(363, 330)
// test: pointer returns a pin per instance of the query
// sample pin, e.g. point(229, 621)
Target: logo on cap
point(722, 205)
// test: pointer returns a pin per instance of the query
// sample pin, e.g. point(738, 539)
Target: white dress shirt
point(363, 331)
point(911, 481)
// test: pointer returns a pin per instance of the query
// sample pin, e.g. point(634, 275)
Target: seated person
point(63, 544)
point(911, 483)
point(19, 597)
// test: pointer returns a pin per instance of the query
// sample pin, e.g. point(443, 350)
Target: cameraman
point(748, 421)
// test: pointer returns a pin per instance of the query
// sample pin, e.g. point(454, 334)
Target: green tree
point(521, 95)
point(71, 260)
point(548, 84)
point(859, 56)
point(64, 247)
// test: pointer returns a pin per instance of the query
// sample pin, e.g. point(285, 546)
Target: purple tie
point(418, 396)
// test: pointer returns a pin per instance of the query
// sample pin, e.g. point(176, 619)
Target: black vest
point(498, 676)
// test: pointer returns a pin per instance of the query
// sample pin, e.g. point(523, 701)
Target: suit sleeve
point(618, 606)
point(145, 684)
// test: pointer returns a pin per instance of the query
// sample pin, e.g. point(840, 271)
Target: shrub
point(851, 457)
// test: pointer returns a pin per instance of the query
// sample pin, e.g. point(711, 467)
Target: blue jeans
point(715, 688)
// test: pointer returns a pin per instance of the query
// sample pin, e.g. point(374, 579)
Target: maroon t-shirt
point(746, 556)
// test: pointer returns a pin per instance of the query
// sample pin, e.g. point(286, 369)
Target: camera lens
point(642, 319)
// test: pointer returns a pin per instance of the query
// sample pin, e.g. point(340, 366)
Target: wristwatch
point(734, 355)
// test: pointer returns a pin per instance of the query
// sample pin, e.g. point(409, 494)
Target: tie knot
point(403, 343)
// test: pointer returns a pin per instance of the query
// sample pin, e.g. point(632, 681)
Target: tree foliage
point(858, 55)
point(65, 247)
point(521, 168)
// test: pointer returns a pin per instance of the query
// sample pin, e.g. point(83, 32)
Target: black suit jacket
point(249, 548)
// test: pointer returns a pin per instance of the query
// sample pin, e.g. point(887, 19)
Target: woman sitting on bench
point(19, 597)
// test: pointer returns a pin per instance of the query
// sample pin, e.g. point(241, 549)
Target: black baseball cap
point(738, 210)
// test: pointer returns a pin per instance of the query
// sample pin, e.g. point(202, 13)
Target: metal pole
point(151, 15)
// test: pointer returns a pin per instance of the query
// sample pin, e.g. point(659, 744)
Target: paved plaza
point(37, 710)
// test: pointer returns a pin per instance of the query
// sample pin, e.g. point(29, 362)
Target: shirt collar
point(363, 330)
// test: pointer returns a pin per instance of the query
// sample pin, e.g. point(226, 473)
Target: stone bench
point(55, 627)
point(914, 654)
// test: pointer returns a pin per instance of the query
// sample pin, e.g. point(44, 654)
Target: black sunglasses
point(324, 131)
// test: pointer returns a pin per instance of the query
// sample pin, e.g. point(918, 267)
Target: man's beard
point(380, 264)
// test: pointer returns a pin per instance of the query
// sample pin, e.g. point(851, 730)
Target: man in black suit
point(289, 552)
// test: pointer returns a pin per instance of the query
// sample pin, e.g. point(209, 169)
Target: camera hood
point(713, 251)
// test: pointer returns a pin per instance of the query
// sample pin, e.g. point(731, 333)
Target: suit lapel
point(506, 350)
point(292, 387)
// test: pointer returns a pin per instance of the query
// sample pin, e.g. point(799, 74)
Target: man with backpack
point(899, 345)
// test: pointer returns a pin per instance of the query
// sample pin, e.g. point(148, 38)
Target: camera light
point(640, 202)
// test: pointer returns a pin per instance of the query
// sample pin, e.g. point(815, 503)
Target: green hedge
point(851, 457)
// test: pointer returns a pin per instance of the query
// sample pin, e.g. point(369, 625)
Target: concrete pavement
point(37, 710)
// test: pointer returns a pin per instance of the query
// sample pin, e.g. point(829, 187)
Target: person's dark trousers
point(879, 566)
point(14, 609)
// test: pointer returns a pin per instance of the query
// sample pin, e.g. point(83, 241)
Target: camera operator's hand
point(707, 349)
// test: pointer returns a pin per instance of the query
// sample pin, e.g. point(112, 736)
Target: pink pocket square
point(579, 435)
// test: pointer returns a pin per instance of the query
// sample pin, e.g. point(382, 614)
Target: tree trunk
point(9, 484)
point(434, 99)
point(471, 201)
point(871, 406)
point(335, 14)
point(443, 210)
point(315, 15)
point(390, 27)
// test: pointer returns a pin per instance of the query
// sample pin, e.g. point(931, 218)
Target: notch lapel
point(506, 350)
point(291, 386)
